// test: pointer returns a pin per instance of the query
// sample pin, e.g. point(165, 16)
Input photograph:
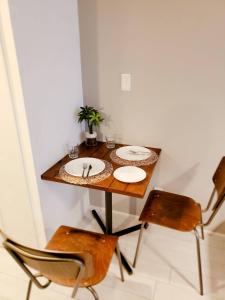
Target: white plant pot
point(90, 135)
point(91, 138)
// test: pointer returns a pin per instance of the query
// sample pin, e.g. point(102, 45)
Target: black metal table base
point(117, 233)
point(99, 220)
point(107, 227)
point(103, 228)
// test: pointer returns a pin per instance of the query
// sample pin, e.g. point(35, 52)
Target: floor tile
point(109, 293)
point(170, 292)
point(212, 285)
point(139, 284)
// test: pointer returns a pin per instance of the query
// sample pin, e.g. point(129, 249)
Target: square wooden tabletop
point(110, 184)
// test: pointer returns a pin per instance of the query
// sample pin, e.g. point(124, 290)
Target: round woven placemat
point(137, 163)
point(89, 180)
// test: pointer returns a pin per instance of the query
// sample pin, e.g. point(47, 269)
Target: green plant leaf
point(91, 115)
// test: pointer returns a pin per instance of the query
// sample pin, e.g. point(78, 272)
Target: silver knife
point(89, 169)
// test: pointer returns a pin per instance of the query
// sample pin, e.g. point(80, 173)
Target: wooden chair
point(183, 213)
point(73, 257)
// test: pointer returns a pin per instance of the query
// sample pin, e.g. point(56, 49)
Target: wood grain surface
point(100, 246)
point(171, 210)
point(110, 184)
point(219, 181)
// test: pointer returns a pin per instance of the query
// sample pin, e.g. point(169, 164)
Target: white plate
point(133, 153)
point(129, 174)
point(75, 167)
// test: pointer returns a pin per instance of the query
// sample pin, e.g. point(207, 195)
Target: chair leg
point(202, 229)
point(202, 233)
point(199, 261)
point(29, 290)
point(93, 291)
point(78, 279)
point(120, 263)
point(74, 291)
point(138, 244)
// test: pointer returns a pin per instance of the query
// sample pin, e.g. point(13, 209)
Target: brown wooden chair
point(183, 213)
point(73, 257)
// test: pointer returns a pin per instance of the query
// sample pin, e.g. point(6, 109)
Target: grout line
point(155, 290)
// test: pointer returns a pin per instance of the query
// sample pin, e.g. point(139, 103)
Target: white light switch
point(125, 82)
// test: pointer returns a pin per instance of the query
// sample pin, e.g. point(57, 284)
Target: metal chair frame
point(13, 250)
point(202, 224)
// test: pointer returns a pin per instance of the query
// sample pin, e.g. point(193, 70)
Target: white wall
point(47, 42)
point(175, 52)
point(14, 200)
point(19, 195)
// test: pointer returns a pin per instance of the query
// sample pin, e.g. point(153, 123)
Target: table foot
point(146, 226)
point(125, 264)
point(128, 230)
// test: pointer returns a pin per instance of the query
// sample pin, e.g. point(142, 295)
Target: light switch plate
point(125, 82)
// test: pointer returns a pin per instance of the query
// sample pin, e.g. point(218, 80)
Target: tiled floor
point(166, 270)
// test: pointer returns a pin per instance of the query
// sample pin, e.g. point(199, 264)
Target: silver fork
point(84, 168)
point(138, 152)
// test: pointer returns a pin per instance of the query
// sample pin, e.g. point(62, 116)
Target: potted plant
point(92, 117)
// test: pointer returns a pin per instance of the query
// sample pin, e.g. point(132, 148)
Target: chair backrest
point(219, 182)
point(55, 266)
point(219, 190)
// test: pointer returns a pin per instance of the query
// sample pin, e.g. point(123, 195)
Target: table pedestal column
point(108, 227)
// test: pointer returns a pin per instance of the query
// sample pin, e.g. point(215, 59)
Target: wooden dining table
point(110, 186)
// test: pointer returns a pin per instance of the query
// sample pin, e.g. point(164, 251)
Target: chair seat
point(171, 210)
point(100, 246)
